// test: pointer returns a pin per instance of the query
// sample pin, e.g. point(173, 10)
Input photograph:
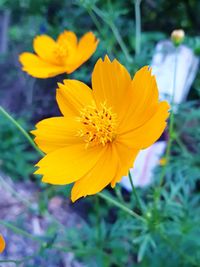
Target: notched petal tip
point(75, 197)
point(107, 59)
point(59, 84)
point(32, 132)
point(113, 184)
point(38, 170)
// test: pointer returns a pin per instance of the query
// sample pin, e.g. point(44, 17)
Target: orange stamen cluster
point(99, 125)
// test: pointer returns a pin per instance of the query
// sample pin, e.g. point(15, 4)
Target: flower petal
point(127, 156)
point(72, 96)
point(143, 94)
point(67, 165)
point(44, 47)
point(149, 132)
point(110, 82)
point(2, 244)
point(38, 68)
point(55, 133)
point(98, 177)
point(87, 46)
point(84, 50)
point(69, 37)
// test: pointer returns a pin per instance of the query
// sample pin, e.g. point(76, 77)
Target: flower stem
point(19, 231)
point(119, 194)
point(137, 27)
point(121, 206)
point(120, 41)
point(19, 127)
point(171, 129)
point(115, 32)
point(134, 191)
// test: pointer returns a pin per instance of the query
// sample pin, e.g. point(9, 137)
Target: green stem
point(134, 191)
point(42, 243)
point(13, 192)
point(119, 194)
point(19, 231)
point(120, 41)
point(137, 27)
point(19, 127)
point(121, 206)
point(171, 129)
point(115, 32)
point(182, 146)
point(94, 19)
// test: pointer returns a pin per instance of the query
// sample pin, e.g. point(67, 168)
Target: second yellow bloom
point(64, 55)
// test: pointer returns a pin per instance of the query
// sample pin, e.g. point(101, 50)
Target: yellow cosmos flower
point(52, 57)
point(102, 130)
point(2, 244)
point(163, 161)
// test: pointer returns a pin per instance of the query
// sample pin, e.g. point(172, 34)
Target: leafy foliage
point(16, 157)
point(108, 237)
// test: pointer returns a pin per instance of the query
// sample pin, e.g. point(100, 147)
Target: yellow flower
point(102, 130)
point(52, 57)
point(163, 161)
point(2, 244)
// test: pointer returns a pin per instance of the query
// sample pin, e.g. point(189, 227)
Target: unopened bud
point(177, 37)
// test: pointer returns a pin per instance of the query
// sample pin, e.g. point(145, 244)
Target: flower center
point(99, 125)
point(61, 52)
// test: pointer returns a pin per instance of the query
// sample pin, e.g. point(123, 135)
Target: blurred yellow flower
point(2, 244)
point(102, 130)
point(163, 161)
point(52, 57)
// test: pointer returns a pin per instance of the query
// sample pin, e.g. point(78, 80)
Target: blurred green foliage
point(16, 157)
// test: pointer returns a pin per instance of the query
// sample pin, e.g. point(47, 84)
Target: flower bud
point(163, 161)
point(177, 37)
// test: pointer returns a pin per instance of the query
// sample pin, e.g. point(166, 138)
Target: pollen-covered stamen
point(99, 124)
point(61, 52)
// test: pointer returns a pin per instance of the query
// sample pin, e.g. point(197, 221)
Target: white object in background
point(142, 173)
point(163, 64)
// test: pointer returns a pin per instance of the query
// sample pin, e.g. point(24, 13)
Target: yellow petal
point(55, 133)
point(98, 177)
point(72, 96)
point(69, 37)
point(66, 165)
point(87, 46)
point(110, 82)
point(38, 68)
point(2, 244)
point(143, 94)
point(82, 52)
point(44, 47)
point(127, 157)
point(149, 132)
